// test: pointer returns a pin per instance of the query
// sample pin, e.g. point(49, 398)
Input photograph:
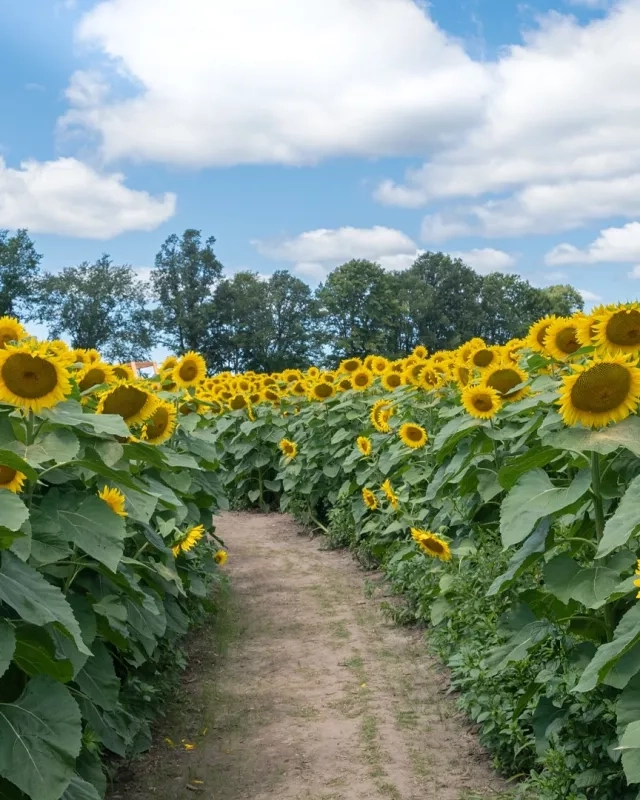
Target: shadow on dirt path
point(305, 691)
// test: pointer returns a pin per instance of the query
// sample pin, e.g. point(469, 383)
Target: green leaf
point(35, 599)
point(557, 575)
point(518, 646)
point(60, 445)
point(605, 441)
point(626, 635)
point(441, 608)
point(139, 505)
point(98, 680)
point(620, 527)
point(509, 474)
point(36, 654)
point(628, 704)
point(13, 512)
point(253, 495)
point(530, 552)
point(80, 789)
point(109, 452)
point(331, 470)
point(534, 497)
point(630, 747)
point(592, 586)
point(94, 528)
point(112, 608)
point(272, 486)
point(40, 739)
point(10, 459)
point(181, 460)
point(70, 413)
point(7, 645)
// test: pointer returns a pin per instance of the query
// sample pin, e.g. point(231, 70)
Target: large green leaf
point(534, 497)
point(606, 440)
point(71, 413)
point(592, 586)
point(530, 552)
point(40, 739)
point(509, 474)
point(558, 574)
point(35, 599)
point(98, 679)
point(13, 512)
point(139, 505)
point(7, 645)
point(94, 528)
point(80, 789)
point(626, 635)
point(36, 654)
point(630, 747)
point(60, 445)
point(620, 527)
point(518, 646)
point(10, 459)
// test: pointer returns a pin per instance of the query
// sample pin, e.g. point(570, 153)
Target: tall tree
point(99, 305)
point(19, 270)
point(294, 339)
point(510, 305)
point(358, 307)
point(564, 300)
point(184, 280)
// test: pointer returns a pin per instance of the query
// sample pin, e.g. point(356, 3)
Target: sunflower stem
point(596, 489)
point(31, 421)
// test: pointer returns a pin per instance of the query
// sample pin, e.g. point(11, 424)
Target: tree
point(19, 270)
point(294, 339)
point(358, 308)
point(97, 305)
point(509, 305)
point(184, 281)
point(564, 300)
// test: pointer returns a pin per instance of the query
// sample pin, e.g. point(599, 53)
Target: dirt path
point(317, 697)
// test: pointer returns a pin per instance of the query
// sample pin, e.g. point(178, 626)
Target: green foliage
point(19, 272)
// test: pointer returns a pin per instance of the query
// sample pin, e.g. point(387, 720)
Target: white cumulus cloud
point(613, 245)
point(485, 259)
point(69, 198)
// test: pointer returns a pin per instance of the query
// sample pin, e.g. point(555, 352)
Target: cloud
point(69, 198)
point(613, 245)
point(34, 87)
point(316, 252)
point(597, 4)
point(589, 297)
point(213, 82)
point(486, 260)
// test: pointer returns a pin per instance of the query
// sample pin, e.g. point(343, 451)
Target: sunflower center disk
point(503, 381)
point(29, 376)
point(566, 340)
point(483, 403)
point(604, 387)
point(7, 474)
point(624, 328)
point(126, 401)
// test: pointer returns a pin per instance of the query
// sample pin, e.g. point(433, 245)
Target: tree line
point(245, 321)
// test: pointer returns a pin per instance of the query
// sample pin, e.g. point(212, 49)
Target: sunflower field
point(498, 487)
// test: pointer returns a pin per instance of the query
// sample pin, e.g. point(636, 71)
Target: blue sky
point(302, 134)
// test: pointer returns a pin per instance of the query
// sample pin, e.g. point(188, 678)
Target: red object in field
point(136, 366)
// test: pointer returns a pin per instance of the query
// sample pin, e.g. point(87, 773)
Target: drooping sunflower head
point(504, 380)
point(221, 557)
point(189, 540)
point(413, 435)
point(561, 340)
point(618, 330)
point(538, 333)
point(361, 379)
point(288, 448)
point(391, 380)
point(420, 351)
point(190, 370)
point(606, 390)
point(95, 374)
point(161, 424)
point(431, 545)
point(132, 402)
point(123, 372)
point(11, 479)
point(585, 328)
point(350, 365)
point(364, 445)
point(462, 374)
point(370, 500)
point(379, 415)
point(31, 378)
point(368, 363)
point(391, 496)
point(481, 402)
point(114, 499)
point(10, 331)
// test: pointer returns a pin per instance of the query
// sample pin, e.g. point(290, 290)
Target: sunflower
point(238, 401)
point(133, 403)
point(10, 331)
point(289, 449)
point(271, 396)
point(95, 375)
point(32, 379)
point(462, 374)
point(321, 391)
point(364, 445)
point(504, 379)
point(344, 384)
point(313, 373)
point(221, 558)
point(379, 415)
point(420, 351)
point(413, 435)
point(299, 389)
point(585, 328)
point(391, 380)
point(511, 351)
point(379, 365)
point(350, 365)
point(431, 545)
point(482, 402)
point(413, 372)
point(361, 379)
point(370, 500)
point(538, 332)
point(123, 372)
point(93, 356)
point(161, 425)
point(11, 479)
point(465, 350)
point(397, 366)
point(607, 390)
point(168, 364)
point(391, 496)
point(114, 499)
point(328, 377)
point(430, 378)
point(80, 356)
point(483, 357)
point(618, 330)
point(190, 370)
point(189, 541)
point(561, 339)
point(291, 375)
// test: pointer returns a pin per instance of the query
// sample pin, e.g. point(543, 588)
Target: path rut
point(318, 695)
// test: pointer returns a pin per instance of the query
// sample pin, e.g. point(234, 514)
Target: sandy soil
point(305, 691)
